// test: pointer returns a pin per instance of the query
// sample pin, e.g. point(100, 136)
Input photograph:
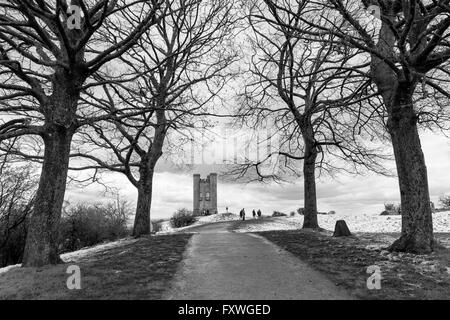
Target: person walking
point(242, 214)
point(254, 214)
point(259, 213)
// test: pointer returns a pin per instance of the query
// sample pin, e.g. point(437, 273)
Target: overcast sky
point(347, 194)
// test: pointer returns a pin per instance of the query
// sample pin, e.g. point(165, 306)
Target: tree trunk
point(309, 182)
point(417, 225)
point(397, 92)
point(42, 239)
point(142, 222)
point(59, 109)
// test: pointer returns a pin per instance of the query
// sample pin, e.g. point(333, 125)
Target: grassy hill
point(125, 269)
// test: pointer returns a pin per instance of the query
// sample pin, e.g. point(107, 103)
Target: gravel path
point(220, 264)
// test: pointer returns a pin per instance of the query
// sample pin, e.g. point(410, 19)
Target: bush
point(292, 214)
point(156, 225)
point(445, 202)
point(86, 225)
point(182, 218)
point(301, 211)
point(278, 214)
point(17, 189)
point(13, 234)
point(390, 208)
point(80, 226)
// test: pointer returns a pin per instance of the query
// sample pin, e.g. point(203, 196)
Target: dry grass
point(138, 270)
point(345, 261)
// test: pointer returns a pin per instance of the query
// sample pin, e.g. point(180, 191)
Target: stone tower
point(205, 194)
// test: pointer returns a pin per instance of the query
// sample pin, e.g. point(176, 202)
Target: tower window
point(200, 196)
point(207, 196)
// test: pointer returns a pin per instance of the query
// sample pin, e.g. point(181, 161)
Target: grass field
point(345, 261)
point(134, 269)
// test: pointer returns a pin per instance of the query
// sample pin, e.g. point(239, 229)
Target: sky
point(173, 188)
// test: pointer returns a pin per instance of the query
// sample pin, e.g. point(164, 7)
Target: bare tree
point(316, 97)
point(408, 48)
point(180, 68)
point(50, 53)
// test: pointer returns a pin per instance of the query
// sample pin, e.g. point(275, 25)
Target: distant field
point(370, 223)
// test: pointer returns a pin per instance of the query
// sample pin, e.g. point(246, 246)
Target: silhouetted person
point(254, 214)
point(259, 213)
point(242, 214)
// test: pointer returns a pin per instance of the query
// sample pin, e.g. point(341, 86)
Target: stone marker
point(341, 229)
